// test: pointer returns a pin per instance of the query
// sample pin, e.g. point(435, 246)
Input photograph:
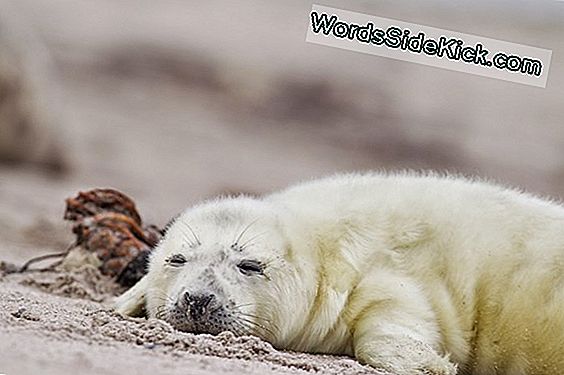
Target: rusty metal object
point(106, 223)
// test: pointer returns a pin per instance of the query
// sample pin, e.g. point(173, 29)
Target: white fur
point(414, 274)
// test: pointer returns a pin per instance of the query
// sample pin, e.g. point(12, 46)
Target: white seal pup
point(412, 274)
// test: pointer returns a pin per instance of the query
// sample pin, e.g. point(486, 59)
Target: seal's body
point(411, 274)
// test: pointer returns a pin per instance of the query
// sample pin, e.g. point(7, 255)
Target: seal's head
point(222, 266)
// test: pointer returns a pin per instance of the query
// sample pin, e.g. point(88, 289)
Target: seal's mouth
point(211, 326)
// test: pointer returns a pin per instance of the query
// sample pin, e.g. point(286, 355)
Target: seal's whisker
point(216, 309)
point(190, 242)
point(239, 312)
point(244, 328)
point(186, 238)
point(255, 317)
point(249, 241)
point(236, 242)
point(244, 305)
point(255, 304)
point(240, 329)
point(257, 325)
point(161, 292)
point(273, 261)
point(272, 331)
point(259, 331)
point(162, 313)
point(185, 234)
point(161, 307)
point(163, 297)
point(198, 242)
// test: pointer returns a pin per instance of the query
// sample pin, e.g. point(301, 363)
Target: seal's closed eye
point(251, 267)
point(176, 260)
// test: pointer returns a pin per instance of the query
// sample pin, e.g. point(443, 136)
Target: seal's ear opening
point(132, 302)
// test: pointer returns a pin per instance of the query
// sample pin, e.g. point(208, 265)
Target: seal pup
point(412, 274)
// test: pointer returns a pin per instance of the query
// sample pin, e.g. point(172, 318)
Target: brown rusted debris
point(106, 223)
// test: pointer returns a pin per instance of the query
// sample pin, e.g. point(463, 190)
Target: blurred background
point(175, 101)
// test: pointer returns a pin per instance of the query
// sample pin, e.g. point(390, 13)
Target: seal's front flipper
point(132, 302)
point(403, 355)
point(394, 327)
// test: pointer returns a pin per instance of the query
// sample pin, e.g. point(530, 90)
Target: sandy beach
point(153, 103)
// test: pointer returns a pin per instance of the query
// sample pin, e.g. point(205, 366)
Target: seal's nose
point(198, 304)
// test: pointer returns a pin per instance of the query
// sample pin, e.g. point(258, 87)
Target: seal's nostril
point(186, 297)
point(208, 299)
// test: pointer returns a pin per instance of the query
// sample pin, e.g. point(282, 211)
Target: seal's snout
point(199, 312)
point(199, 305)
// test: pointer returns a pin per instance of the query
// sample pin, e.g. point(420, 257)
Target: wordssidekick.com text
point(394, 37)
